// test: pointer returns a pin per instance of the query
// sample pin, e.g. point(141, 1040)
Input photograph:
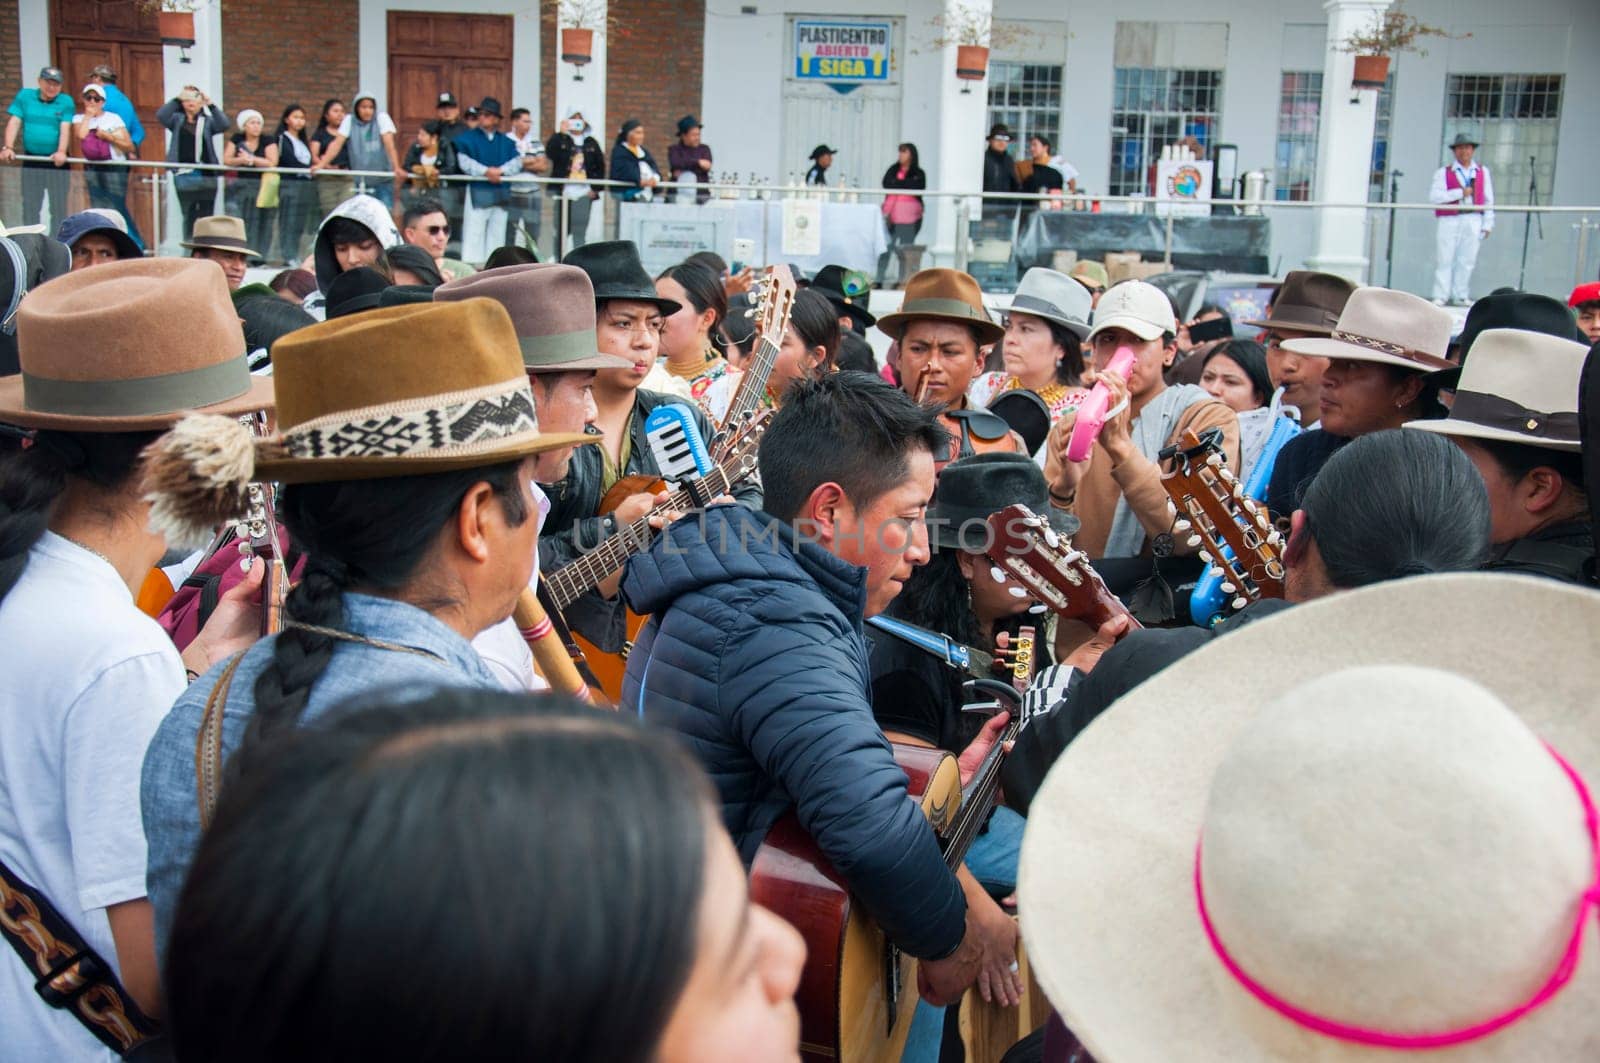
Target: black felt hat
point(355, 290)
point(848, 290)
point(970, 489)
point(1026, 413)
point(490, 105)
point(686, 123)
point(406, 295)
point(1527, 311)
point(822, 149)
point(616, 272)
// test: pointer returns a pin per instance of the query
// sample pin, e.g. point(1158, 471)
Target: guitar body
point(857, 992)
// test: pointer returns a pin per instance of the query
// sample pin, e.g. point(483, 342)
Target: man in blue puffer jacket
point(756, 658)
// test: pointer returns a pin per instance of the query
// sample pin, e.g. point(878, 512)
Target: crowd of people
point(307, 589)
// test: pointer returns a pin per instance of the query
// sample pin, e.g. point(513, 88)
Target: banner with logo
point(1187, 184)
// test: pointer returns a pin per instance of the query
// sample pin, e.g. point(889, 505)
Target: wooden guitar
point(571, 581)
point(1041, 559)
point(1216, 512)
point(771, 312)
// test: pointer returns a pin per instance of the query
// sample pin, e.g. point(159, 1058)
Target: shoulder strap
point(208, 744)
point(71, 975)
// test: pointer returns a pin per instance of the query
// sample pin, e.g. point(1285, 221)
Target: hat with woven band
point(220, 232)
point(399, 391)
point(1385, 326)
point(103, 350)
point(942, 295)
point(1307, 302)
point(1369, 847)
point(552, 309)
point(1519, 387)
point(1055, 297)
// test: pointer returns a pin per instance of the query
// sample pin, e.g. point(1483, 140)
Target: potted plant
point(174, 20)
point(1390, 32)
point(972, 31)
point(578, 21)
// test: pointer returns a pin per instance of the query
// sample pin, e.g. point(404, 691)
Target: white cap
point(1141, 308)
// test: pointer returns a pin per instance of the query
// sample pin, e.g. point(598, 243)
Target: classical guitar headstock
point(1014, 656)
point(1044, 561)
point(1212, 511)
point(737, 443)
point(774, 299)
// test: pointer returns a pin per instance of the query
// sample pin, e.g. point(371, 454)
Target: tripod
point(1394, 194)
point(1528, 219)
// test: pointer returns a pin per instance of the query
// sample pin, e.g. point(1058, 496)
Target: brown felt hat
point(130, 346)
point(552, 309)
point(1308, 302)
point(945, 295)
point(220, 232)
point(402, 391)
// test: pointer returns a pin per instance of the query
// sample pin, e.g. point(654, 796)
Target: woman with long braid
point(406, 446)
point(87, 676)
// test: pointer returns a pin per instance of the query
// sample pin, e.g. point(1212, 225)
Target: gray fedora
point(1463, 140)
point(552, 309)
point(1055, 297)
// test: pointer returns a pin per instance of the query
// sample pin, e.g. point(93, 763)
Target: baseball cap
point(447, 99)
point(1142, 309)
point(92, 89)
point(51, 73)
point(1584, 293)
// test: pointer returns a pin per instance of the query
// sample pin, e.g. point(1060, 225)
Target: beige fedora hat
point(1389, 847)
point(1383, 325)
point(220, 232)
point(129, 346)
point(552, 309)
point(1519, 387)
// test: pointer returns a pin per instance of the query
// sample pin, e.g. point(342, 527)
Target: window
point(1027, 98)
point(1514, 119)
point(1299, 112)
point(1151, 108)
point(1380, 142)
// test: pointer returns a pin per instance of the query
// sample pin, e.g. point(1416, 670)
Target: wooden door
point(122, 35)
point(430, 53)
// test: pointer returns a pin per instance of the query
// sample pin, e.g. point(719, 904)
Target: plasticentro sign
point(837, 50)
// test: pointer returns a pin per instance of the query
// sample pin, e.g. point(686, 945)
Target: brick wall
point(653, 69)
point(10, 50)
point(279, 52)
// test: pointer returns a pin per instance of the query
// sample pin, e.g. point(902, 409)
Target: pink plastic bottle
point(1092, 413)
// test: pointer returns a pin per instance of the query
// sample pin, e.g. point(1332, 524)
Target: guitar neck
point(978, 799)
point(753, 384)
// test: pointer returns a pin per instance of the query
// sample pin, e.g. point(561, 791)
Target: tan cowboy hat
point(1373, 829)
point(130, 346)
point(1519, 387)
point(220, 232)
point(944, 295)
point(552, 309)
point(1308, 302)
point(1385, 326)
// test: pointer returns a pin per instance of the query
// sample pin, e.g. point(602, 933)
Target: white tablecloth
point(853, 235)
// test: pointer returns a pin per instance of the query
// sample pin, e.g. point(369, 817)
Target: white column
point(958, 166)
point(584, 88)
point(199, 65)
point(1344, 146)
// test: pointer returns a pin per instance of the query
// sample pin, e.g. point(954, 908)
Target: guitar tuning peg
point(1052, 538)
point(1228, 588)
point(1240, 602)
point(1238, 490)
point(1182, 526)
point(1226, 475)
point(1273, 537)
point(1195, 540)
point(997, 573)
point(1216, 572)
point(1205, 555)
point(1172, 508)
point(1213, 459)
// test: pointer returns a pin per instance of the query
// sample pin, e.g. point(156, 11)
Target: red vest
point(1452, 180)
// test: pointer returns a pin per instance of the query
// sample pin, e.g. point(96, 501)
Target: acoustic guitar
point(1044, 561)
point(1235, 532)
point(737, 461)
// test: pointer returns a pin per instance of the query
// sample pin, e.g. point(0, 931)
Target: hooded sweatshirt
point(27, 260)
point(365, 211)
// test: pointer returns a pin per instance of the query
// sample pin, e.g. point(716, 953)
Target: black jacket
point(999, 173)
point(625, 168)
point(1140, 655)
point(572, 526)
point(1562, 551)
point(560, 148)
point(916, 180)
point(755, 658)
point(444, 160)
point(1298, 464)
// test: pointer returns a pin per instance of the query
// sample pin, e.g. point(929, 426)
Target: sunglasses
point(435, 230)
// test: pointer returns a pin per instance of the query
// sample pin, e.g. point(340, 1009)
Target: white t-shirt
point(105, 121)
point(74, 724)
point(502, 647)
point(385, 124)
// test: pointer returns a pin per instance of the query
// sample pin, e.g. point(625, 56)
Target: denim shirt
point(168, 792)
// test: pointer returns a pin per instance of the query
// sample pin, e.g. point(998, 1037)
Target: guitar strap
point(71, 975)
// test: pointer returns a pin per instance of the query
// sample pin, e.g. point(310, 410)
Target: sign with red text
point(841, 50)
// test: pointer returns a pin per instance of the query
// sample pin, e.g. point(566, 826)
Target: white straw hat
point(1388, 844)
point(1383, 325)
point(1518, 387)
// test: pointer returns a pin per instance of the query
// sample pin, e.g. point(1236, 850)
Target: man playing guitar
point(755, 656)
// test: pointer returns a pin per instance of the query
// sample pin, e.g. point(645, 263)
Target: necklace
point(1051, 393)
point(92, 550)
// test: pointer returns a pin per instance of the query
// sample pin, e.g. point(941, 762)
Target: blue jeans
point(993, 862)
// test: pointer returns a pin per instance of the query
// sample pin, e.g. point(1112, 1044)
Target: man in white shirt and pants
point(1464, 224)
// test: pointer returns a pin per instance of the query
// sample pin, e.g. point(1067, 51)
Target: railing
point(996, 237)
